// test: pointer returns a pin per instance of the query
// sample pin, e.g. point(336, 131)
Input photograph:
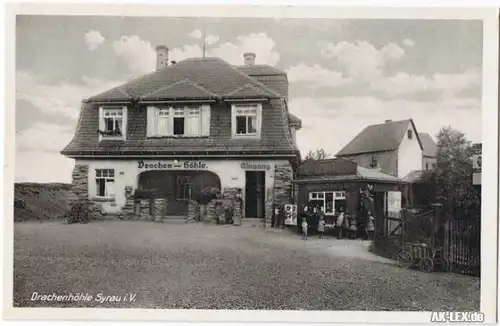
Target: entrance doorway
point(177, 187)
point(255, 194)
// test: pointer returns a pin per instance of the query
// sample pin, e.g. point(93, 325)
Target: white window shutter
point(151, 121)
point(259, 119)
point(233, 120)
point(171, 121)
point(125, 118)
point(205, 120)
point(101, 121)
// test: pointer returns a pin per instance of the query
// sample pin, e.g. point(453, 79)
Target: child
point(370, 227)
point(321, 227)
point(304, 228)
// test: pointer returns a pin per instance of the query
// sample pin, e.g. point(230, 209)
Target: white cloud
point(408, 42)
point(330, 123)
point(196, 34)
point(211, 39)
point(63, 98)
point(315, 76)
point(185, 52)
point(448, 85)
point(361, 60)
point(260, 44)
point(139, 54)
point(94, 39)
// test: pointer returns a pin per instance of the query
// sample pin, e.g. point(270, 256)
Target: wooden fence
point(462, 246)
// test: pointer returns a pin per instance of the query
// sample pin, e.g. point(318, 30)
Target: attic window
point(374, 163)
point(112, 122)
point(246, 120)
point(410, 134)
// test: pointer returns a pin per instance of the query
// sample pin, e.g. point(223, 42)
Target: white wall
point(230, 172)
point(409, 154)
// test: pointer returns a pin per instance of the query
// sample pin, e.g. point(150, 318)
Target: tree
point(318, 154)
point(453, 174)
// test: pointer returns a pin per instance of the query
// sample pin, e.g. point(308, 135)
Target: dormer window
point(410, 134)
point(112, 122)
point(246, 120)
point(186, 121)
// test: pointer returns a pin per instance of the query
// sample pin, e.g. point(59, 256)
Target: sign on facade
point(186, 165)
point(290, 214)
point(255, 166)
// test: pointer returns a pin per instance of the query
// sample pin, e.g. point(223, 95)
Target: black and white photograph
point(273, 162)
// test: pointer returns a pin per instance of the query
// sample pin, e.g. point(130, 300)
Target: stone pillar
point(211, 217)
point(237, 214)
point(80, 192)
point(269, 207)
point(283, 175)
point(145, 209)
point(159, 209)
point(128, 209)
point(232, 203)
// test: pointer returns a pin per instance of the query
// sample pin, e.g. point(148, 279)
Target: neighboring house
point(188, 126)
point(393, 147)
point(429, 151)
point(337, 184)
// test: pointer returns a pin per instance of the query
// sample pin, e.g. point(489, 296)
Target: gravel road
point(219, 267)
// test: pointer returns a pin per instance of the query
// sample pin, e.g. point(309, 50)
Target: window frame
point(337, 195)
point(410, 134)
point(183, 187)
point(173, 113)
point(102, 122)
point(109, 176)
point(235, 115)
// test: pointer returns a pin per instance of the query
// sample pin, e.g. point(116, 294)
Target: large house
point(393, 147)
point(189, 126)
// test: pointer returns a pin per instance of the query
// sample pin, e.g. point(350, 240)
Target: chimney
point(388, 121)
point(249, 58)
point(161, 57)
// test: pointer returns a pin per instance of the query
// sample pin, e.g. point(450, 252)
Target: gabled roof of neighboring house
point(260, 70)
point(430, 147)
point(378, 138)
point(339, 169)
point(214, 75)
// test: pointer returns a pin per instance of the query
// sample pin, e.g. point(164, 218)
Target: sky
point(343, 74)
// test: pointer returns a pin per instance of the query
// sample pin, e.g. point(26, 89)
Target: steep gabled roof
point(211, 74)
point(248, 91)
point(180, 90)
point(430, 147)
point(378, 138)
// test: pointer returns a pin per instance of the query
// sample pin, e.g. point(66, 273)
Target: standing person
point(203, 202)
point(340, 222)
point(370, 226)
point(300, 217)
point(321, 223)
point(304, 228)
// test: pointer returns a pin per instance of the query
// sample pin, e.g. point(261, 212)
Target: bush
point(210, 193)
point(79, 212)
